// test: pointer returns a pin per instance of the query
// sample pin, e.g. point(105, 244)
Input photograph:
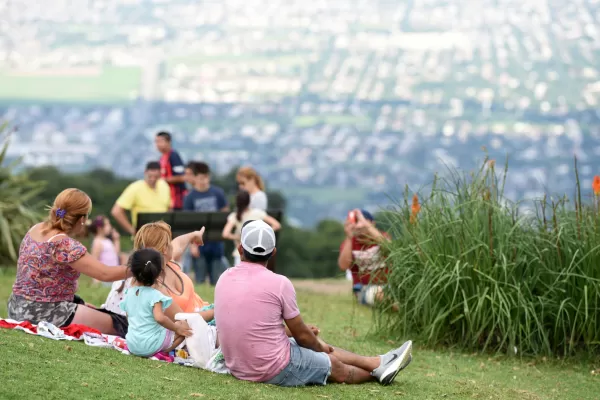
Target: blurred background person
point(172, 168)
point(149, 195)
point(360, 253)
point(106, 245)
point(209, 259)
point(250, 181)
point(243, 213)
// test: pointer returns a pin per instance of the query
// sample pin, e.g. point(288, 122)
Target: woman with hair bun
point(250, 181)
point(48, 268)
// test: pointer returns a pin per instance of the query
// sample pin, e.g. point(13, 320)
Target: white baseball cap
point(258, 238)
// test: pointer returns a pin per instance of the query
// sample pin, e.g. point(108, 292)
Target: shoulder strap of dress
point(33, 227)
point(55, 236)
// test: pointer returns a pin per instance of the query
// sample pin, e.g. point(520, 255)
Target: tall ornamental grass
point(468, 269)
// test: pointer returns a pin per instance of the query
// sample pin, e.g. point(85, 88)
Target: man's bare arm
point(119, 214)
point(304, 335)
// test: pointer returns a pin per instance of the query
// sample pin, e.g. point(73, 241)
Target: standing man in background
point(171, 169)
point(148, 195)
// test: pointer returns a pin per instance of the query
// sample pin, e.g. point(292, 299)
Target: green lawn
point(113, 84)
point(34, 367)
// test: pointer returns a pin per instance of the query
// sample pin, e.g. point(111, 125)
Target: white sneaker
point(393, 362)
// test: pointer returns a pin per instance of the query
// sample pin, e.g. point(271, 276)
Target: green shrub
point(476, 271)
point(16, 214)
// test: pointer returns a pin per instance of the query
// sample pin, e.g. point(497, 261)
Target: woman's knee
point(379, 295)
point(94, 319)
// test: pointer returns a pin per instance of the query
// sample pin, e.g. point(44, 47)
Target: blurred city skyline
point(338, 104)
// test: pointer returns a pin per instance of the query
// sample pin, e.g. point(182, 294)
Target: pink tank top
point(109, 254)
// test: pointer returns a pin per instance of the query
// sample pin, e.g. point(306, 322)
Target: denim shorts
point(306, 367)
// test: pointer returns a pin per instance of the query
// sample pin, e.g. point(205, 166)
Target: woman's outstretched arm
point(89, 266)
point(180, 243)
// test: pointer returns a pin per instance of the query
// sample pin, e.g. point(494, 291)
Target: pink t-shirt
point(251, 303)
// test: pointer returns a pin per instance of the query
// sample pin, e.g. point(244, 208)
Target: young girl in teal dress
point(150, 330)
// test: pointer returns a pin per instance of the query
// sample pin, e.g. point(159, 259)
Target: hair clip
point(60, 213)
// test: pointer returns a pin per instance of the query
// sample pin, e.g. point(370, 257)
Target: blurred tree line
point(302, 253)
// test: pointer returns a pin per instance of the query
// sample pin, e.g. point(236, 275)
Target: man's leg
point(220, 265)
point(344, 373)
point(384, 368)
point(199, 267)
point(348, 358)
point(186, 261)
point(210, 268)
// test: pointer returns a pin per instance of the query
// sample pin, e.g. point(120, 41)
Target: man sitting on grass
point(251, 306)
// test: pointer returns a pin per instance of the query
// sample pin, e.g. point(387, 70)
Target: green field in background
point(114, 84)
point(311, 120)
point(327, 195)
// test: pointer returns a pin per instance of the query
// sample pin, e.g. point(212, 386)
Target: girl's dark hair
point(242, 201)
point(95, 225)
point(146, 266)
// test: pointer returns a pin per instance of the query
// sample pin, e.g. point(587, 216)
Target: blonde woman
point(250, 181)
point(175, 283)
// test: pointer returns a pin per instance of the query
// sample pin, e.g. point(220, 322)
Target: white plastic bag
point(201, 345)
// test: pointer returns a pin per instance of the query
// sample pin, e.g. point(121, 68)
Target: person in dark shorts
point(171, 169)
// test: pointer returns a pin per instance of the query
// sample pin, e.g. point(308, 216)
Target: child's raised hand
point(183, 329)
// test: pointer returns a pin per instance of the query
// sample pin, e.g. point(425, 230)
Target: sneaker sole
point(404, 358)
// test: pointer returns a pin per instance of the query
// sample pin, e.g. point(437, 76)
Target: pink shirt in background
point(251, 303)
point(109, 255)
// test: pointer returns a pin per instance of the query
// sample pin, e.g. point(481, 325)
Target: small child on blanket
point(150, 330)
point(117, 294)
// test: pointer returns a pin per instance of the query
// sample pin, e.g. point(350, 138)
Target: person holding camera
point(360, 254)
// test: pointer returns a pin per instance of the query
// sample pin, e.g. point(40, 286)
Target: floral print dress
point(45, 287)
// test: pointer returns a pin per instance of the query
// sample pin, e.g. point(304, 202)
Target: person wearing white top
point(244, 212)
point(250, 181)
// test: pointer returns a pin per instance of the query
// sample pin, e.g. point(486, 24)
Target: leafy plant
point(17, 215)
point(473, 269)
